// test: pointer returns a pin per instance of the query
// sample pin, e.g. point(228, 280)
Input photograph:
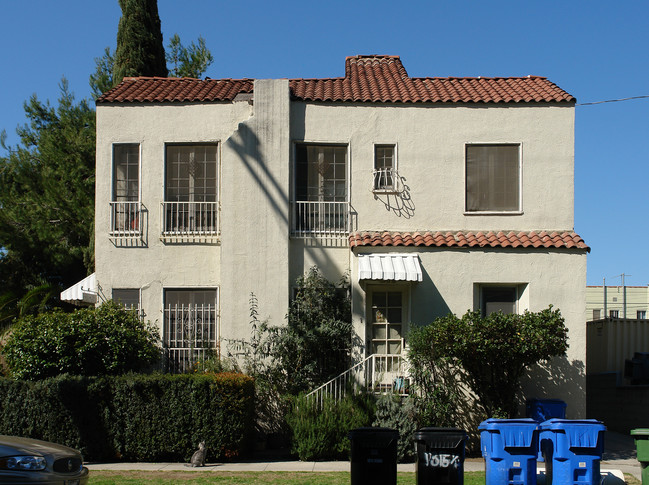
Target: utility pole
point(605, 312)
point(624, 294)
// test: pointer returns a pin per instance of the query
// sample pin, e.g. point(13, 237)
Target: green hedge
point(157, 417)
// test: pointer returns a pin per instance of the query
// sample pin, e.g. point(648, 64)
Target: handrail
point(373, 377)
point(331, 382)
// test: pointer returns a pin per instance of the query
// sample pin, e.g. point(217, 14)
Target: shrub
point(316, 344)
point(492, 351)
point(108, 340)
point(133, 417)
point(393, 411)
point(320, 430)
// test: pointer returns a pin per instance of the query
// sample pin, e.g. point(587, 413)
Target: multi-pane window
point(641, 314)
point(387, 321)
point(384, 166)
point(191, 187)
point(499, 298)
point(614, 313)
point(190, 326)
point(321, 205)
point(493, 178)
point(321, 173)
point(125, 205)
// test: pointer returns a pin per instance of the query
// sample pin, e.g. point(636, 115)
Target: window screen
point(492, 178)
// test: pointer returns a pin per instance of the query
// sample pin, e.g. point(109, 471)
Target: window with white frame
point(493, 178)
point(384, 168)
point(321, 205)
point(614, 313)
point(641, 314)
point(191, 189)
point(126, 214)
point(190, 326)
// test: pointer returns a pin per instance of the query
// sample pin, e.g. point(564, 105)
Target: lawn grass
point(262, 478)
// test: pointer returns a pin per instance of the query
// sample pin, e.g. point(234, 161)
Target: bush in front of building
point(321, 429)
point(155, 417)
point(108, 340)
point(489, 354)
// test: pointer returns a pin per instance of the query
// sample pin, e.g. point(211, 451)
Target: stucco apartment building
point(433, 195)
point(617, 302)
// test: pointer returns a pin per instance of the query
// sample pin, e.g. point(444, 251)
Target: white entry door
point(387, 316)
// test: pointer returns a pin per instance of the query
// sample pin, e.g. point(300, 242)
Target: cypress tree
point(140, 51)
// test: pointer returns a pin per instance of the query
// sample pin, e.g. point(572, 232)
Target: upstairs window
point(321, 173)
point(191, 186)
point(321, 205)
point(384, 167)
point(641, 314)
point(493, 178)
point(125, 205)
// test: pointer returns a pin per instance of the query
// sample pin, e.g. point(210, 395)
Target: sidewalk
point(618, 458)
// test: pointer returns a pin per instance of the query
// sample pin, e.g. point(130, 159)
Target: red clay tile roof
point(531, 239)
point(367, 79)
point(170, 90)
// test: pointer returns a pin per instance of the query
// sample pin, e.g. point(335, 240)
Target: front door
point(386, 319)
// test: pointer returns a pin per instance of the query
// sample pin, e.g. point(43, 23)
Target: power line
point(612, 100)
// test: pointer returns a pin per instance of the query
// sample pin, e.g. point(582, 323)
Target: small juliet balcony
point(387, 180)
point(320, 219)
point(188, 219)
point(126, 219)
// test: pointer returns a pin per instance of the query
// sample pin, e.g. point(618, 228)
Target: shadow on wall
point(427, 302)
point(245, 143)
point(399, 202)
point(559, 379)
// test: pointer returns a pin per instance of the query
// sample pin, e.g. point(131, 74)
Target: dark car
point(24, 460)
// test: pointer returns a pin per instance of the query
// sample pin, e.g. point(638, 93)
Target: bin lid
point(441, 437)
point(374, 437)
point(558, 402)
point(515, 433)
point(640, 432)
point(581, 433)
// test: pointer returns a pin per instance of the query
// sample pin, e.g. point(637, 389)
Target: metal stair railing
point(379, 373)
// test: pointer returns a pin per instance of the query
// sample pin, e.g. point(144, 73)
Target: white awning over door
point(389, 267)
point(82, 293)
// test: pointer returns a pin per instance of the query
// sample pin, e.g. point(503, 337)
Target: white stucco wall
point(451, 279)
point(149, 264)
point(430, 141)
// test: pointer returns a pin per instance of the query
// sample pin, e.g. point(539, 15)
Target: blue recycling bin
point(572, 450)
point(510, 448)
point(543, 409)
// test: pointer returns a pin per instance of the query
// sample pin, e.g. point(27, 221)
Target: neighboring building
point(617, 302)
point(434, 195)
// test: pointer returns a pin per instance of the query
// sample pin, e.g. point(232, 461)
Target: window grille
point(190, 335)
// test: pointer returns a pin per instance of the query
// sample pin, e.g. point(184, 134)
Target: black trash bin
point(374, 456)
point(440, 455)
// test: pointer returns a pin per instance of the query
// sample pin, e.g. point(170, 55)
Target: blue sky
point(596, 50)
